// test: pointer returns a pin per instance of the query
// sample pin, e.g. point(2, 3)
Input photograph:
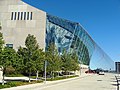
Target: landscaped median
point(20, 83)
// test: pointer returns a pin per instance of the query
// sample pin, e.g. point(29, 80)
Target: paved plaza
point(85, 82)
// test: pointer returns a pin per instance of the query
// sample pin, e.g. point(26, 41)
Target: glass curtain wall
point(69, 36)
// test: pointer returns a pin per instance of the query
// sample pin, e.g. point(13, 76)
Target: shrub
point(9, 70)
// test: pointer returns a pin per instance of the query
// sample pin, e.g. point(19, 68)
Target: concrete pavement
point(84, 82)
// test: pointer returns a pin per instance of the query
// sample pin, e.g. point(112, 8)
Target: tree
point(54, 60)
point(34, 55)
point(31, 44)
point(66, 58)
point(1, 42)
point(70, 61)
point(9, 57)
point(74, 62)
point(32, 47)
point(39, 61)
point(1, 48)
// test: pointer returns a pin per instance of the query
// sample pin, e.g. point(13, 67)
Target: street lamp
point(45, 72)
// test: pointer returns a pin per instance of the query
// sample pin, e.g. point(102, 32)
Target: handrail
point(117, 82)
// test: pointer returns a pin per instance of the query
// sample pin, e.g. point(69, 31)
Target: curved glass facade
point(71, 36)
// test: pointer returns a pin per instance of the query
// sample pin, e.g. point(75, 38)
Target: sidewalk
point(47, 83)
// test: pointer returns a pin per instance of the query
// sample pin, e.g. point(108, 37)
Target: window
point(9, 45)
point(12, 16)
point(18, 16)
point(24, 15)
point(31, 16)
point(15, 16)
point(27, 15)
point(21, 15)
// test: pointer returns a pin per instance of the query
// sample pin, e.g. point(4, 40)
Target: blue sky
point(100, 18)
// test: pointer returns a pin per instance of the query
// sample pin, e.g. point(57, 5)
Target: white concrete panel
point(20, 24)
point(16, 31)
point(3, 8)
point(17, 8)
point(30, 23)
point(11, 24)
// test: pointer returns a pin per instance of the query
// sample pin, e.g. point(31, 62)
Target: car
point(89, 71)
point(101, 73)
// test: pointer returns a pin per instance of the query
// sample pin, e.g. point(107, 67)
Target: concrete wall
point(16, 31)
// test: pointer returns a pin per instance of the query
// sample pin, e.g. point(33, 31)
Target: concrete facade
point(19, 19)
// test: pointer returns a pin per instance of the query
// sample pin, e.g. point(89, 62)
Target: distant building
point(117, 67)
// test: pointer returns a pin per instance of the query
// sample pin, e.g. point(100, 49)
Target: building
point(19, 19)
point(117, 67)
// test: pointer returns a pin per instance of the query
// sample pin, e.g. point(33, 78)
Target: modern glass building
point(70, 36)
point(18, 19)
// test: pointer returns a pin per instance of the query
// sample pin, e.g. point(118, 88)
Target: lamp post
point(45, 72)
point(80, 67)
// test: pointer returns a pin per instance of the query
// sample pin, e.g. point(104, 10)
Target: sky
point(100, 18)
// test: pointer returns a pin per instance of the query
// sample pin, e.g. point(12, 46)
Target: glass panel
point(72, 37)
point(9, 45)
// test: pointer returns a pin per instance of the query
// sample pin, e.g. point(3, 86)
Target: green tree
point(8, 57)
point(66, 58)
point(1, 48)
point(1, 42)
point(34, 57)
point(74, 62)
point(39, 57)
point(32, 47)
point(54, 60)
point(70, 61)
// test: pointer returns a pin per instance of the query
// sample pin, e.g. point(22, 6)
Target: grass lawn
point(20, 83)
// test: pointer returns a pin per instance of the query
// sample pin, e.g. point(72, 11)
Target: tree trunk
point(3, 79)
point(69, 73)
point(53, 75)
point(74, 72)
point(58, 73)
point(37, 75)
point(29, 76)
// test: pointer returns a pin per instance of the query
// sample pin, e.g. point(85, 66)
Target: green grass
point(17, 83)
point(20, 83)
point(60, 78)
point(15, 75)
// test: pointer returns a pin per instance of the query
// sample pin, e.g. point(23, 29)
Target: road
point(91, 82)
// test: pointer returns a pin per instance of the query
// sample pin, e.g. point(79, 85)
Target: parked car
point(101, 73)
point(89, 71)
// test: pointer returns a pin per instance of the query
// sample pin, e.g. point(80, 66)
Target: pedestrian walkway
point(84, 82)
